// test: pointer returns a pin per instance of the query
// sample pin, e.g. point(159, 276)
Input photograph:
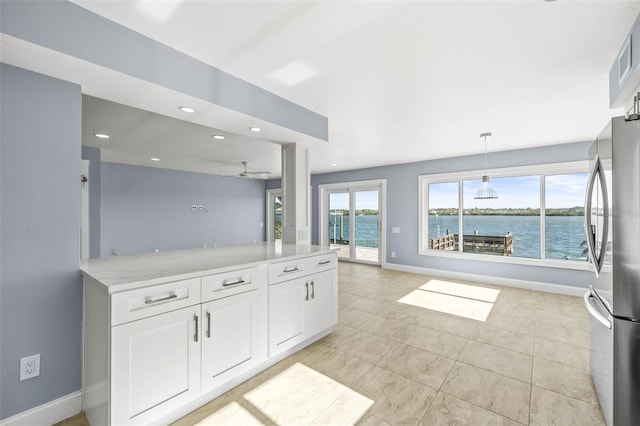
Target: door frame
point(84, 210)
point(323, 212)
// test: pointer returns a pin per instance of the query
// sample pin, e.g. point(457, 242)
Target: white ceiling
point(399, 81)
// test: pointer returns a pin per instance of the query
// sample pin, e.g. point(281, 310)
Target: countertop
point(119, 273)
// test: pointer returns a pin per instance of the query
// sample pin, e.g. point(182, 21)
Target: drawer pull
point(240, 281)
point(290, 270)
point(148, 300)
point(324, 262)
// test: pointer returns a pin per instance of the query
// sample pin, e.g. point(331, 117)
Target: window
point(508, 225)
point(443, 215)
point(538, 214)
point(564, 216)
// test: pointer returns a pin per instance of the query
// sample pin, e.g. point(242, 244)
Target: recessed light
point(154, 159)
point(255, 129)
point(187, 109)
point(219, 137)
point(101, 135)
point(333, 164)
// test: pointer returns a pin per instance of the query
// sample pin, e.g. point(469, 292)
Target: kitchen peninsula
point(166, 332)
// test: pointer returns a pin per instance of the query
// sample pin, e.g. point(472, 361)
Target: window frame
point(540, 170)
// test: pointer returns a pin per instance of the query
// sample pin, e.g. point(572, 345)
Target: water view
point(564, 236)
point(366, 229)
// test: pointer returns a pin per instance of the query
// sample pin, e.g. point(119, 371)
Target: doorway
point(351, 220)
point(274, 215)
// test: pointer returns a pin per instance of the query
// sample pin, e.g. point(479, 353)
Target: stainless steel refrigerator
point(612, 224)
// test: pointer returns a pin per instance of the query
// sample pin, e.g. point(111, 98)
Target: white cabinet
point(234, 337)
point(154, 352)
point(152, 363)
point(319, 308)
point(286, 314)
point(301, 308)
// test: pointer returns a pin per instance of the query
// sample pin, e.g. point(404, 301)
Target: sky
point(514, 192)
point(566, 190)
point(364, 200)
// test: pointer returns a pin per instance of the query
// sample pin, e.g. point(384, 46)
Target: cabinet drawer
point(148, 301)
point(284, 271)
point(323, 262)
point(233, 282)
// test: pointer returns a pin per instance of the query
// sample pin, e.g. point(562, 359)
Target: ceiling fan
point(246, 173)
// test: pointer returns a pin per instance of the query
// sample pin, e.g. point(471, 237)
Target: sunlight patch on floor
point(301, 395)
point(463, 290)
point(453, 298)
point(231, 414)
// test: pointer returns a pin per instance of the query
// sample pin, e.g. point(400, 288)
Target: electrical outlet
point(194, 207)
point(393, 254)
point(29, 367)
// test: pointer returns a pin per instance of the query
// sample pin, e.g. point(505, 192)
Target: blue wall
point(402, 210)
point(147, 208)
point(40, 283)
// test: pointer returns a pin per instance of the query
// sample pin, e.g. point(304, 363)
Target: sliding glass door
point(367, 225)
point(351, 218)
point(339, 208)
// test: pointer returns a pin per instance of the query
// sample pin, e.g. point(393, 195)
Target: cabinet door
point(286, 318)
point(234, 336)
point(155, 366)
point(320, 309)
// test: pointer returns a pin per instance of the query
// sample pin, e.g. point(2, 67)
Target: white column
point(296, 195)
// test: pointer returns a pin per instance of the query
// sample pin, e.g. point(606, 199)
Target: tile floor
point(399, 364)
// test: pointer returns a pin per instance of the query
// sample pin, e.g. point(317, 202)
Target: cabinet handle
point(208, 324)
point(290, 270)
point(324, 262)
point(307, 286)
point(226, 284)
point(149, 300)
point(195, 336)
point(313, 290)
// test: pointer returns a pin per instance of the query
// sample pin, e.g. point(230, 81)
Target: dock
point(501, 245)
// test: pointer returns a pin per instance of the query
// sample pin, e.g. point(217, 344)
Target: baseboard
point(49, 413)
point(487, 279)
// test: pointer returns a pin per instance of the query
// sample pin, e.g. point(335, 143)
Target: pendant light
point(485, 192)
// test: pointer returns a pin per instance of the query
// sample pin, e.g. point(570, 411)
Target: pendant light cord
point(485, 155)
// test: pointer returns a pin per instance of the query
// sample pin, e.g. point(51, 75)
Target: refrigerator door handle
point(596, 258)
point(589, 300)
point(588, 229)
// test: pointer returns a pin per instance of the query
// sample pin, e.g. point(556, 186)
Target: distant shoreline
point(570, 211)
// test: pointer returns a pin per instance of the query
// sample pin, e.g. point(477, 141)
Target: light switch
point(395, 230)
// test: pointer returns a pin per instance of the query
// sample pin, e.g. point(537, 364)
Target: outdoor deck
point(475, 243)
point(366, 254)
